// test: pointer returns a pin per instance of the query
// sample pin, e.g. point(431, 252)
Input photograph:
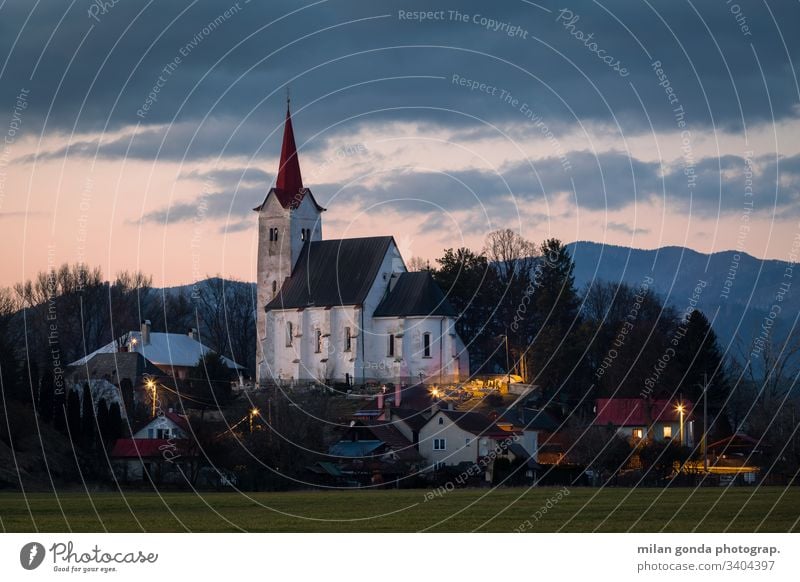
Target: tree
point(472, 288)
point(87, 417)
point(555, 352)
point(114, 422)
point(210, 380)
point(46, 397)
point(73, 409)
point(102, 422)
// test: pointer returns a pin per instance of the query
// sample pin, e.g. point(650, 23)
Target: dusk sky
point(140, 135)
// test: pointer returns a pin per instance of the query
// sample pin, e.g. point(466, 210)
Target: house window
point(390, 351)
point(667, 432)
point(318, 341)
point(439, 445)
point(638, 433)
point(348, 340)
point(467, 442)
point(289, 333)
point(426, 345)
point(441, 420)
point(149, 433)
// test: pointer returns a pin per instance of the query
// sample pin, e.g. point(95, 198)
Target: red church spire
point(289, 182)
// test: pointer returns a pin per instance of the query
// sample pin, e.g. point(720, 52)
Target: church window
point(426, 345)
point(273, 234)
point(318, 341)
point(289, 334)
point(274, 287)
point(348, 340)
point(305, 234)
point(390, 351)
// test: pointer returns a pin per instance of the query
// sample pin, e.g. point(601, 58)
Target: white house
point(343, 311)
point(452, 437)
point(173, 353)
point(159, 451)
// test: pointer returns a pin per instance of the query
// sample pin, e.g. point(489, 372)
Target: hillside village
point(353, 366)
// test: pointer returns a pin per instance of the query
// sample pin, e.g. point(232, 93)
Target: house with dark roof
point(453, 437)
point(120, 377)
point(347, 310)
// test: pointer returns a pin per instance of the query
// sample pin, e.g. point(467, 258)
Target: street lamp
point(253, 414)
point(151, 385)
point(681, 409)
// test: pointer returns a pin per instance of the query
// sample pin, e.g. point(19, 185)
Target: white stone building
point(343, 311)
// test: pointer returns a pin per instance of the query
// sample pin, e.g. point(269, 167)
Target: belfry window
point(273, 234)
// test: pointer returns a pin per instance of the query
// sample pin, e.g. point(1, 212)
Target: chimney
point(146, 332)
point(193, 333)
point(398, 393)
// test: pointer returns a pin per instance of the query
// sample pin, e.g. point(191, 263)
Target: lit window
point(390, 350)
point(638, 433)
point(667, 431)
point(348, 340)
point(439, 444)
point(289, 334)
point(426, 345)
point(318, 341)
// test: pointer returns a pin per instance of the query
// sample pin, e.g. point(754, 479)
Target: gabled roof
point(115, 367)
point(329, 273)
point(475, 423)
point(414, 294)
point(637, 411)
point(395, 440)
point(413, 418)
point(164, 349)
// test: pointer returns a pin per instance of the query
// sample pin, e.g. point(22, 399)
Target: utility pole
point(705, 423)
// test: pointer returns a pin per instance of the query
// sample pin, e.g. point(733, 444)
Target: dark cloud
point(351, 64)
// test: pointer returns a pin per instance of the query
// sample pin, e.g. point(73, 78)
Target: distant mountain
point(739, 293)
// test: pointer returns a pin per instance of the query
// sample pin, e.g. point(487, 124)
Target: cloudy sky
point(140, 135)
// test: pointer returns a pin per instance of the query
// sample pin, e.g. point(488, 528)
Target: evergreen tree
point(87, 417)
point(46, 396)
point(114, 422)
point(699, 359)
point(103, 421)
point(73, 409)
point(555, 354)
point(472, 288)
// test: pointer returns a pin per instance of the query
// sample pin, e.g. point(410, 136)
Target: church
point(343, 311)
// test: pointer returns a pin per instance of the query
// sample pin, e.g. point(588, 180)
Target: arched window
point(318, 341)
point(426, 345)
point(348, 340)
point(274, 288)
point(289, 334)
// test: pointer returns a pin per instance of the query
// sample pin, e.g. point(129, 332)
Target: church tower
point(287, 219)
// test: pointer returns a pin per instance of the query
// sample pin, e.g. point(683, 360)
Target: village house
point(639, 419)
point(122, 377)
point(160, 452)
point(174, 354)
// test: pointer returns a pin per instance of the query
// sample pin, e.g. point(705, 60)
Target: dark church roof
point(415, 294)
point(333, 272)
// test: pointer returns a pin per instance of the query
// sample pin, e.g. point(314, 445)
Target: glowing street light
point(253, 414)
point(681, 409)
point(151, 385)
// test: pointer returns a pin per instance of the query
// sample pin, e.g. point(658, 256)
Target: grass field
point(770, 509)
